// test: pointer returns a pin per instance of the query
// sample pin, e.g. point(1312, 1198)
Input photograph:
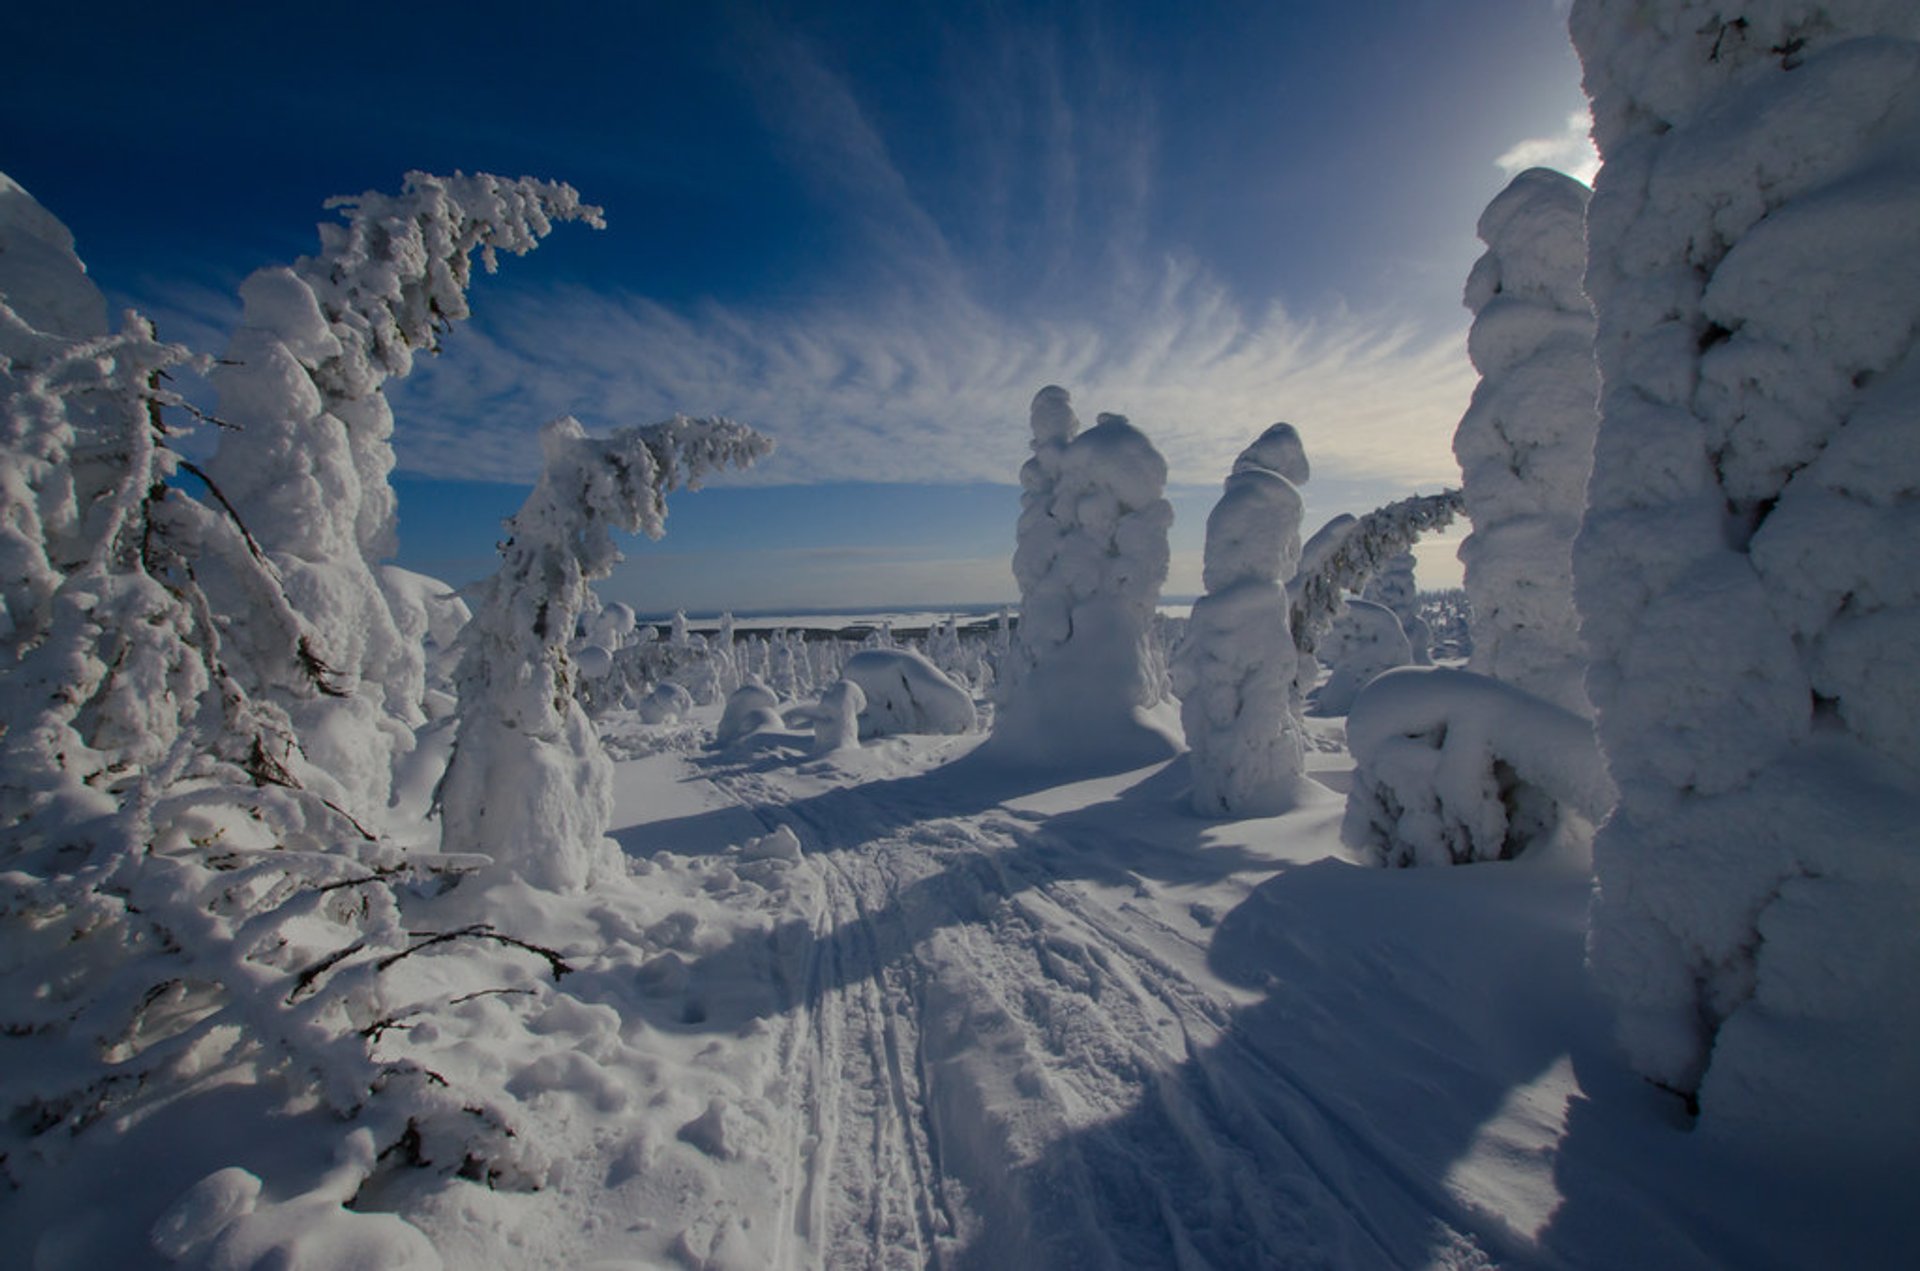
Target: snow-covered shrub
point(751, 708)
point(1745, 572)
point(835, 718)
point(1090, 556)
point(306, 462)
point(1234, 669)
point(1364, 641)
point(529, 784)
point(665, 703)
point(1452, 767)
point(905, 693)
point(1525, 444)
point(429, 613)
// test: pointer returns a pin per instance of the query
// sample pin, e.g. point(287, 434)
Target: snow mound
point(751, 708)
point(905, 693)
point(1365, 640)
point(1453, 767)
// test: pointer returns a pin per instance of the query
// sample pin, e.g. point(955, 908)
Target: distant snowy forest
point(347, 920)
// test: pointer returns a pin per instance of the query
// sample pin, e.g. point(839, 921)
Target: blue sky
point(872, 230)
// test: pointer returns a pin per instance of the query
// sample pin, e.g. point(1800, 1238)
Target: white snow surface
point(1747, 596)
point(900, 1008)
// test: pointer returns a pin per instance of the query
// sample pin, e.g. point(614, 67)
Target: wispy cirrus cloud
point(931, 387)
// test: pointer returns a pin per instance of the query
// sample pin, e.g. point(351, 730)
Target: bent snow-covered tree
point(1234, 669)
point(1090, 557)
point(1359, 552)
point(1745, 572)
point(307, 459)
point(1525, 444)
point(529, 784)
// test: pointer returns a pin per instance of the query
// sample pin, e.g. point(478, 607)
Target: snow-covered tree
point(1394, 587)
point(307, 459)
point(1745, 572)
point(1090, 556)
point(1364, 640)
point(1234, 669)
point(1341, 558)
point(529, 784)
point(1525, 444)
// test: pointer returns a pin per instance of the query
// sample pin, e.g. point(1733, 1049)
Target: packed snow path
point(1016, 1031)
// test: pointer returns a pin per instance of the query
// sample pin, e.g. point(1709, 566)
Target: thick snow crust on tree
point(903, 692)
point(1452, 767)
point(1234, 668)
point(41, 275)
point(1525, 445)
point(307, 459)
point(1090, 557)
point(1744, 571)
point(529, 784)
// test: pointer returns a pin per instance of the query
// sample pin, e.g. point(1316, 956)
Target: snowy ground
point(979, 1023)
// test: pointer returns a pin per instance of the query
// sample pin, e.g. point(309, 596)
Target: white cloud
point(1569, 150)
point(931, 387)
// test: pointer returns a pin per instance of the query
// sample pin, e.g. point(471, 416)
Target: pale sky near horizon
point(871, 230)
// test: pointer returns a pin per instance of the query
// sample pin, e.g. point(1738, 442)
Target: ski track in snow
point(996, 1063)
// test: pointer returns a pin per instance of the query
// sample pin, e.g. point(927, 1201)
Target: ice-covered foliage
point(1393, 587)
point(1452, 767)
point(307, 459)
point(1234, 669)
point(529, 784)
point(1745, 572)
point(665, 703)
point(1364, 641)
point(905, 693)
point(1340, 559)
point(1090, 556)
point(183, 899)
point(835, 718)
point(1525, 444)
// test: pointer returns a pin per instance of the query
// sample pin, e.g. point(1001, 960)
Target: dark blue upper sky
point(870, 229)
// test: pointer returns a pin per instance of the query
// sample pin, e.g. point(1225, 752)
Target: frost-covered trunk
point(1090, 557)
point(1745, 572)
point(1234, 669)
point(307, 463)
point(1525, 444)
point(529, 784)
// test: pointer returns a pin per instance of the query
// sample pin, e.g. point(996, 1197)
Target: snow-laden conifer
point(1090, 556)
point(1341, 558)
point(529, 784)
point(1525, 444)
point(1744, 573)
point(307, 459)
point(1234, 669)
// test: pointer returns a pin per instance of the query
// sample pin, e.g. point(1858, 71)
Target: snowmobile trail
point(1009, 1062)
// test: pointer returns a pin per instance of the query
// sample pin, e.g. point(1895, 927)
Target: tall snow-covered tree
point(307, 460)
point(1744, 572)
point(1525, 444)
point(529, 784)
point(1090, 556)
point(1234, 669)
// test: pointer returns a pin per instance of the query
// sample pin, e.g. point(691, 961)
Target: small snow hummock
point(750, 709)
point(1745, 574)
point(1452, 767)
point(902, 692)
point(1090, 557)
point(1234, 669)
point(1525, 444)
point(1365, 641)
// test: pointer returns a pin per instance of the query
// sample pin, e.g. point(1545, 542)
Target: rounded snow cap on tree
point(1253, 532)
point(1054, 422)
point(1278, 449)
point(1535, 232)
